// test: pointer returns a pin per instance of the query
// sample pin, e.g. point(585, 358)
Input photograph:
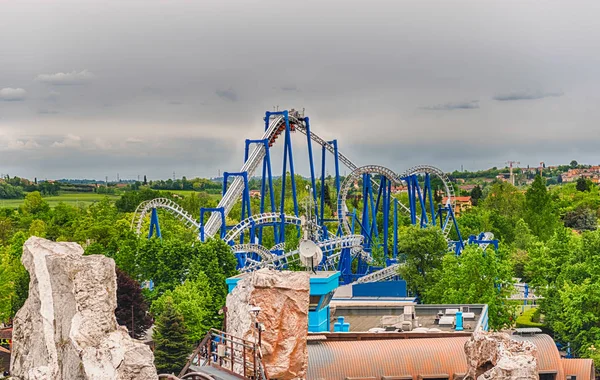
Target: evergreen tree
point(131, 305)
point(539, 211)
point(171, 344)
point(145, 180)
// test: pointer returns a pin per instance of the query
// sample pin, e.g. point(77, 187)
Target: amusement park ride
point(348, 247)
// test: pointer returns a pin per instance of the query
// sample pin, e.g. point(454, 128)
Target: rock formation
point(497, 356)
point(283, 298)
point(67, 327)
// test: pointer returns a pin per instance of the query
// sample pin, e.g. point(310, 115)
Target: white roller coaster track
point(164, 203)
point(349, 181)
point(350, 241)
point(257, 220)
point(380, 275)
point(253, 248)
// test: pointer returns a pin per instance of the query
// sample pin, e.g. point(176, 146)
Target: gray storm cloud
point(526, 95)
point(178, 86)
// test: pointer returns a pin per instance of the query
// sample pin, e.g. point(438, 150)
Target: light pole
point(255, 310)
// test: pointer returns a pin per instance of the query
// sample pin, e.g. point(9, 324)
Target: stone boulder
point(283, 297)
point(67, 327)
point(497, 356)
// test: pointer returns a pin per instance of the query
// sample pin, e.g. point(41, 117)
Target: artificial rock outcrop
point(67, 327)
point(497, 356)
point(283, 298)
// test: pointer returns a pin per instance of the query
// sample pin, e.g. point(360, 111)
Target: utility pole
point(541, 168)
point(510, 165)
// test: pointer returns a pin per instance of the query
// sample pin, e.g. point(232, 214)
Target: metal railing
point(233, 354)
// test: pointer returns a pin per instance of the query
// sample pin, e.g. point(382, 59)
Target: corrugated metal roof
point(548, 355)
point(582, 368)
point(332, 360)
point(401, 357)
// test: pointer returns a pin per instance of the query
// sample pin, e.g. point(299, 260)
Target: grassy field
point(69, 198)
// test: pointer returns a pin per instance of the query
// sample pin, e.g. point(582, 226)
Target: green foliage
point(172, 346)
point(476, 194)
point(581, 219)
point(539, 210)
point(528, 319)
point(582, 184)
point(423, 249)
point(193, 301)
point(475, 277)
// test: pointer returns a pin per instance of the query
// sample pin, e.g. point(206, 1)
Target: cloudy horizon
point(91, 89)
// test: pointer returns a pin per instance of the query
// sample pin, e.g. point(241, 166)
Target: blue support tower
point(154, 225)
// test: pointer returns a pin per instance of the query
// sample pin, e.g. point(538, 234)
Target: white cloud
point(70, 141)
point(22, 145)
point(102, 144)
point(64, 79)
point(12, 94)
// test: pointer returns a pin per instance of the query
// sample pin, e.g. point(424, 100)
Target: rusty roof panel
point(582, 368)
point(386, 358)
point(548, 355)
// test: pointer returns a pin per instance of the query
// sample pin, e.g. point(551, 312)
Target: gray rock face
point(284, 299)
point(67, 328)
point(497, 356)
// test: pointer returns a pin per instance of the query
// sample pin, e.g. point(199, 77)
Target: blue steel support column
point(337, 177)
point(411, 199)
point(431, 205)
point(395, 228)
point(154, 225)
point(323, 185)
point(386, 215)
point(267, 176)
point(365, 214)
point(337, 166)
point(288, 141)
point(220, 210)
point(424, 220)
point(312, 166)
point(460, 244)
point(374, 226)
point(245, 195)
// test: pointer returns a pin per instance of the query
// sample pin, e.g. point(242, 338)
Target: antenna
point(310, 254)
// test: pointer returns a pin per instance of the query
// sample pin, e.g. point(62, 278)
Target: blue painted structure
point(380, 289)
point(322, 286)
point(154, 225)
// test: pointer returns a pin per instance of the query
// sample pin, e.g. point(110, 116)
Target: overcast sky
point(90, 89)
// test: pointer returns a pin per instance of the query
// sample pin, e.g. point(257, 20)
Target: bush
point(529, 318)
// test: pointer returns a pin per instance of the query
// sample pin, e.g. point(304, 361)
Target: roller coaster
point(350, 239)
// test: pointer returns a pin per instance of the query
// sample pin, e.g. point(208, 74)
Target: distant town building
point(460, 204)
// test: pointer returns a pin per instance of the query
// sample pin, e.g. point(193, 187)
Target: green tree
point(475, 276)
point(170, 336)
point(423, 249)
point(38, 228)
point(192, 299)
point(573, 164)
point(34, 204)
point(582, 184)
point(581, 219)
point(539, 210)
point(476, 194)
